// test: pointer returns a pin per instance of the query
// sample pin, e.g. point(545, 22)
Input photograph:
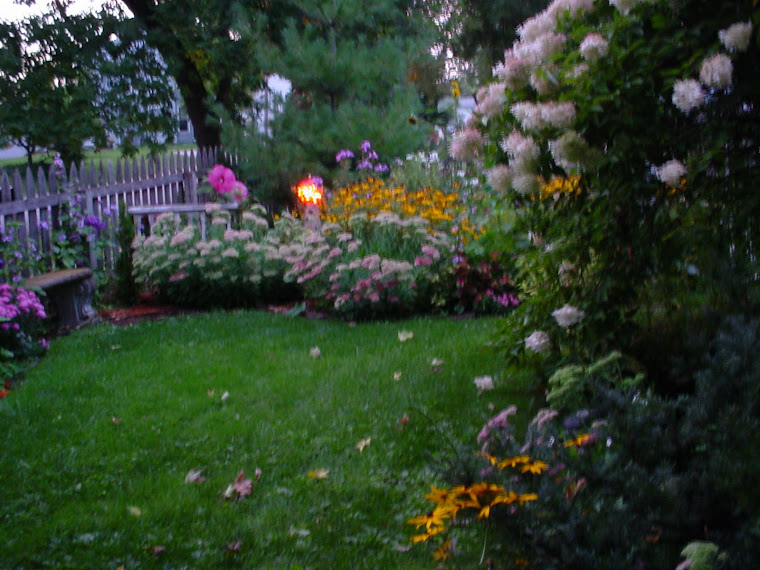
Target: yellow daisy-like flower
point(443, 552)
point(492, 459)
point(423, 537)
point(430, 521)
point(513, 461)
point(535, 467)
point(506, 498)
point(440, 496)
point(578, 441)
point(522, 499)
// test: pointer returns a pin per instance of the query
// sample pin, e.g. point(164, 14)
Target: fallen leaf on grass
point(320, 473)
point(194, 476)
point(239, 488)
point(115, 421)
point(436, 362)
point(302, 532)
point(397, 375)
point(234, 546)
point(224, 397)
point(363, 443)
point(156, 550)
point(404, 336)
point(314, 352)
point(134, 511)
point(210, 393)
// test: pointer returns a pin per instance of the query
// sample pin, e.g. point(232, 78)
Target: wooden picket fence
point(30, 204)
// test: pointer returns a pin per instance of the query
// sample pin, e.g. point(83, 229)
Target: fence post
point(89, 209)
point(190, 184)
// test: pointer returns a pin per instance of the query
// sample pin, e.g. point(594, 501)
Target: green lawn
point(96, 443)
point(96, 155)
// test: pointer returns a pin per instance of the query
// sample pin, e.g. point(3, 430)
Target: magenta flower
point(222, 179)
point(239, 191)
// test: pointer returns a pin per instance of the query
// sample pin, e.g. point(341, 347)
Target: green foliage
point(569, 386)
point(626, 242)
point(633, 476)
point(336, 102)
point(211, 49)
point(125, 288)
point(67, 79)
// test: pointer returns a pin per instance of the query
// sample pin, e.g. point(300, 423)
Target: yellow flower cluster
point(480, 497)
point(372, 196)
point(557, 185)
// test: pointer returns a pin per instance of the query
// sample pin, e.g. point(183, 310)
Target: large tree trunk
point(189, 80)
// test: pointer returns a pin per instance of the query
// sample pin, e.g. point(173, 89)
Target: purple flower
point(344, 154)
point(366, 146)
point(43, 225)
point(94, 221)
point(381, 168)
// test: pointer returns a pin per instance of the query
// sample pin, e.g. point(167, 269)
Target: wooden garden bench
point(70, 291)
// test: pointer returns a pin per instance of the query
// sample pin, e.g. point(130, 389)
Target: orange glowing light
point(309, 191)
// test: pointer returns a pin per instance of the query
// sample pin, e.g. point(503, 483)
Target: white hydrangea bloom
point(538, 342)
point(491, 100)
point(514, 71)
point(500, 178)
point(737, 36)
point(568, 316)
point(484, 383)
point(688, 94)
point(558, 115)
point(525, 183)
point(528, 114)
point(540, 49)
point(522, 150)
point(671, 172)
point(594, 47)
point(535, 116)
point(624, 6)
point(570, 150)
point(716, 71)
point(542, 80)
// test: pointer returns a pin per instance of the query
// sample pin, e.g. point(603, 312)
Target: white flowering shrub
point(652, 109)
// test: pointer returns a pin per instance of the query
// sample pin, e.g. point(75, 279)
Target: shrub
point(646, 107)
point(633, 477)
point(21, 328)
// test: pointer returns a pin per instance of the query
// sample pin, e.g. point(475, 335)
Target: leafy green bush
point(647, 107)
point(633, 477)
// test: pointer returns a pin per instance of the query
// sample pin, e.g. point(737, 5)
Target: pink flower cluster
point(499, 422)
point(223, 180)
point(15, 301)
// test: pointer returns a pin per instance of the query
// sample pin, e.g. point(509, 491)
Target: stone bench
point(70, 291)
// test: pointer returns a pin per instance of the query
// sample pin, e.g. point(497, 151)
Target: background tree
point(65, 79)
point(349, 66)
point(480, 31)
point(213, 63)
